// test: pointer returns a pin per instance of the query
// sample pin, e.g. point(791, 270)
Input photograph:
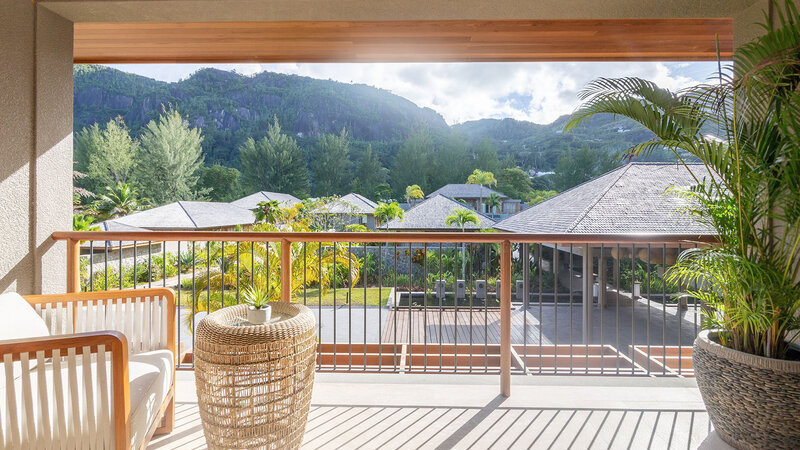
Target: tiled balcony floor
point(355, 411)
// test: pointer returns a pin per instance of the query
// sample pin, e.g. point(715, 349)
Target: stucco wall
point(35, 146)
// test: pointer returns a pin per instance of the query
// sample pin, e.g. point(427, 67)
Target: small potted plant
point(259, 311)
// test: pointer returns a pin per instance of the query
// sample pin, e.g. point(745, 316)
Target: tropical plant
point(482, 178)
point(258, 264)
point(492, 202)
point(267, 211)
point(745, 129)
point(81, 222)
point(120, 200)
point(256, 296)
point(386, 212)
point(414, 192)
point(356, 228)
point(460, 217)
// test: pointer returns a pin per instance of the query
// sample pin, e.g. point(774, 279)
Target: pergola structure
point(40, 40)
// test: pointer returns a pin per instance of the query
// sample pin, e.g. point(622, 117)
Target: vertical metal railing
point(411, 302)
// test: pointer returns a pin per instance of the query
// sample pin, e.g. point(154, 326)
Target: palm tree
point(81, 222)
point(414, 192)
point(744, 130)
point(461, 217)
point(386, 212)
point(267, 211)
point(121, 200)
point(492, 201)
point(482, 178)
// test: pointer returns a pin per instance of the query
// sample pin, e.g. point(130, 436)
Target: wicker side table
point(254, 382)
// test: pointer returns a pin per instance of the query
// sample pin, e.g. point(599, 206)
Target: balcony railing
point(427, 302)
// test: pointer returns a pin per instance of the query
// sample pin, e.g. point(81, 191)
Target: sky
point(536, 92)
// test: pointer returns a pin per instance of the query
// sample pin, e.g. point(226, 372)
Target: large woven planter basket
point(254, 382)
point(753, 401)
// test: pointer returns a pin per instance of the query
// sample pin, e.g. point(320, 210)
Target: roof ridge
point(180, 203)
point(602, 194)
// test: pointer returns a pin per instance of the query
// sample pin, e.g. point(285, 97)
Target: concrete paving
point(362, 411)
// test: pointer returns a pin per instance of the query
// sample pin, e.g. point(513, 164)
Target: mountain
point(229, 108)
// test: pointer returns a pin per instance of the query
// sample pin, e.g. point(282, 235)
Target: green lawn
point(312, 296)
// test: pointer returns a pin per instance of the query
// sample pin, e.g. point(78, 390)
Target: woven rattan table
point(254, 382)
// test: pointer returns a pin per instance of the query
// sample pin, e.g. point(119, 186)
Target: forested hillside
point(350, 136)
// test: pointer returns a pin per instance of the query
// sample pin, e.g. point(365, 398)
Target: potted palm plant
point(745, 129)
point(259, 311)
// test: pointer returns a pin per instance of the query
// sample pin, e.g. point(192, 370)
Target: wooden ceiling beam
point(405, 41)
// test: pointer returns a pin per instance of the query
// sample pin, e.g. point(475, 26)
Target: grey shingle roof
point(359, 203)
point(252, 200)
point(112, 225)
point(464, 191)
point(630, 199)
point(189, 216)
point(432, 213)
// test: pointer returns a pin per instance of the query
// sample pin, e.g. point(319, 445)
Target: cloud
point(537, 92)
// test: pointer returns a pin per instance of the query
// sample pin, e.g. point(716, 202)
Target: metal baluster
point(486, 310)
point(648, 309)
point(555, 307)
point(664, 311)
point(526, 275)
point(679, 316)
point(179, 295)
point(120, 265)
point(571, 352)
point(541, 317)
point(150, 264)
point(334, 305)
point(380, 306)
point(91, 266)
point(319, 305)
point(364, 306)
point(616, 284)
point(396, 303)
point(425, 306)
point(441, 307)
point(455, 308)
point(602, 271)
point(164, 252)
point(633, 308)
point(208, 275)
point(194, 292)
point(238, 245)
point(349, 306)
point(409, 358)
point(105, 263)
point(135, 272)
point(222, 270)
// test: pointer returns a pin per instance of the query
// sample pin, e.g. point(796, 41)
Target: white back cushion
point(18, 319)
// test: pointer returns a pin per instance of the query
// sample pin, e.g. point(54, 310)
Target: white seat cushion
point(18, 319)
point(150, 377)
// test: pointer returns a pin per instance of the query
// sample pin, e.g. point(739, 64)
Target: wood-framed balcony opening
point(692, 39)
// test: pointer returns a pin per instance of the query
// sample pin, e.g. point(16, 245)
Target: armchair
point(89, 369)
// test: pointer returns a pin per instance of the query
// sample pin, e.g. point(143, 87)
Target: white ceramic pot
point(259, 316)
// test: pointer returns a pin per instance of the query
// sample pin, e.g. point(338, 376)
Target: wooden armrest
point(113, 342)
point(110, 297)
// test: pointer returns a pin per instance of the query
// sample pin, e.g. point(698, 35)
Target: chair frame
point(114, 342)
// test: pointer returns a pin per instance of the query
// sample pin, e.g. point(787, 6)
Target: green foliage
point(460, 217)
point(535, 197)
point(329, 162)
point(386, 212)
point(106, 155)
point(492, 202)
point(414, 192)
point(170, 160)
point(412, 161)
point(749, 282)
point(256, 296)
point(383, 192)
point(81, 222)
point(267, 211)
point(486, 157)
point(222, 183)
point(274, 163)
point(515, 183)
point(121, 200)
point(370, 175)
point(576, 167)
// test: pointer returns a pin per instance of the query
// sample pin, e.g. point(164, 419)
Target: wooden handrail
point(386, 237)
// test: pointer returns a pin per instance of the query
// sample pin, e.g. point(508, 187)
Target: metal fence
point(427, 302)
